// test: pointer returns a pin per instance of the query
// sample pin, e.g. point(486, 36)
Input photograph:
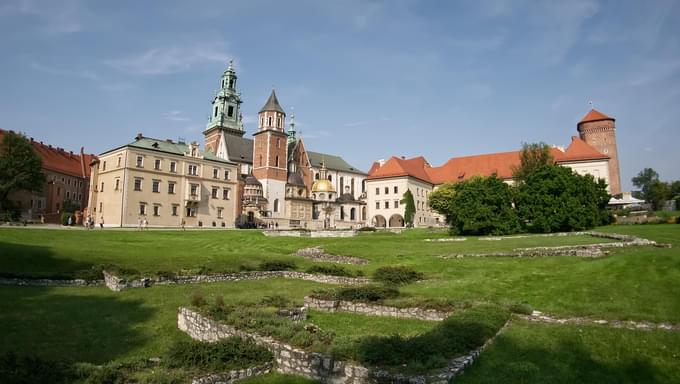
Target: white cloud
point(162, 61)
point(175, 116)
point(55, 17)
point(78, 73)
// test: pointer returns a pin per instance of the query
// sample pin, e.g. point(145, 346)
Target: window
point(387, 190)
point(276, 205)
point(396, 203)
point(330, 178)
point(342, 185)
point(214, 192)
point(278, 123)
point(157, 164)
point(191, 212)
point(226, 192)
point(215, 111)
point(59, 191)
point(68, 194)
point(377, 205)
point(226, 174)
point(193, 169)
point(104, 166)
point(173, 167)
point(216, 173)
point(142, 209)
point(396, 189)
point(277, 160)
point(230, 111)
point(138, 184)
point(261, 121)
point(140, 161)
point(171, 188)
point(174, 210)
point(156, 186)
point(316, 176)
point(118, 162)
point(193, 190)
point(156, 210)
point(278, 142)
point(270, 121)
point(387, 205)
point(377, 191)
point(101, 189)
point(219, 213)
point(260, 160)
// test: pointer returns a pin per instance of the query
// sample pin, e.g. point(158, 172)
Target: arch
point(353, 214)
point(342, 213)
point(363, 213)
point(379, 221)
point(396, 220)
point(316, 176)
point(276, 205)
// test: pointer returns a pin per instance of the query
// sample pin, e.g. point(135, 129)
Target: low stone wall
point(539, 317)
point(318, 254)
point(316, 366)
point(375, 310)
point(50, 282)
point(285, 233)
point(447, 239)
point(234, 376)
point(116, 283)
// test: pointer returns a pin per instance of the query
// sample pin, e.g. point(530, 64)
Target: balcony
point(193, 193)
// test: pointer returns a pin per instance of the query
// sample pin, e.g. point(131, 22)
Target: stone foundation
point(116, 283)
point(539, 317)
point(375, 310)
point(234, 376)
point(50, 282)
point(338, 233)
point(318, 254)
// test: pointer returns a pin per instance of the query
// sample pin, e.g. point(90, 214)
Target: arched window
point(352, 186)
point(277, 161)
point(278, 143)
point(316, 176)
point(278, 122)
point(216, 111)
point(330, 178)
point(276, 205)
point(260, 160)
point(261, 121)
point(353, 214)
point(270, 121)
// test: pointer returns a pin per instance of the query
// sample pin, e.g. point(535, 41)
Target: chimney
point(139, 136)
point(31, 139)
point(168, 141)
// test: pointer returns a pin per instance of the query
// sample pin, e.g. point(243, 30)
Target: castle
point(272, 180)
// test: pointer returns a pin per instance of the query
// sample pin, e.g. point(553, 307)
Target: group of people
point(89, 223)
point(143, 223)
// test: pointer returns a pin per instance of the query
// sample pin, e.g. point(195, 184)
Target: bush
point(367, 229)
point(32, 369)
point(334, 270)
point(397, 275)
point(277, 301)
point(521, 308)
point(197, 299)
point(366, 293)
point(65, 216)
point(224, 355)
point(277, 265)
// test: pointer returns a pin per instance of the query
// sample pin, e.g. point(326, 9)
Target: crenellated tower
point(599, 131)
point(225, 114)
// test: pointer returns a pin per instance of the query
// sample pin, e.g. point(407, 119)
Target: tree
point(644, 180)
point(20, 167)
point(410, 208)
point(478, 206)
point(532, 156)
point(657, 193)
point(555, 198)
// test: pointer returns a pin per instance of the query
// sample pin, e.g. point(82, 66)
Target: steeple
point(291, 130)
point(225, 114)
point(272, 104)
point(272, 117)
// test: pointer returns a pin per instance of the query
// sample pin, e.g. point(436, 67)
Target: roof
point(455, 169)
point(239, 149)
point(294, 178)
point(252, 180)
point(61, 161)
point(272, 104)
point(594, 115)
point(172, 147)
point(346, 198)
point(333, 162)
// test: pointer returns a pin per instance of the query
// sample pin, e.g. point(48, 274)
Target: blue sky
point(366, 79)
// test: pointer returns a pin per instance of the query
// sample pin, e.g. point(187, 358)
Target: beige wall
point(423, 217)
point(599, 169)
point(121, 206)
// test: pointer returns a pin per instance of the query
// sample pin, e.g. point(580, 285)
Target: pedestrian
point(101, 222)
point(146, 223)
point(139, 223)
point(182, 224)
point(70, 221)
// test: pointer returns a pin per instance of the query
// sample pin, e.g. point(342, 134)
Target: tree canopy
point(644, 181)
point(20, 167)
point(532, 156)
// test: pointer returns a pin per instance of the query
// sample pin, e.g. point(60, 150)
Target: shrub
point(224, 355)
point(521, 308)
point(32, 369)
point(367, 229)
point(366, 293)
point(334, 270)
point(65, 216)
point(277, 301)
point(277, 265)
point(197, 299)
point(396, 275)
point(219, 301)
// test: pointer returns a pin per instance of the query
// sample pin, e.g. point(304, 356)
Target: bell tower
point(225, 115)
point(599, 131)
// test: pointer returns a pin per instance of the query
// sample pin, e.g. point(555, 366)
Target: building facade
point(164, 183)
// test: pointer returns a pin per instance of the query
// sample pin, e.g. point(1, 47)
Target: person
point(146, 223)
point(42, 219)
point(139, 223)
point(183, 223)
point(101, 222)
point(70, 221)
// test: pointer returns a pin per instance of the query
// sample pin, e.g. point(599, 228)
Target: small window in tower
point(270, 121)
point(278, 143)
point(215, 111)
point(260, 160)
point(230, 111)
point(277, 161)
point(278, 122)
point(231, 83)
point(261, 121)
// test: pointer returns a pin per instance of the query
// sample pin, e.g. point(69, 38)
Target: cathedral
point(281, 183)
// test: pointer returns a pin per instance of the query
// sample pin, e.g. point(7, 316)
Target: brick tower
point(225, 115)
point(270, 154)
point(599, 131)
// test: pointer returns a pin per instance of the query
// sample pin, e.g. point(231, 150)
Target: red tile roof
point(462, 168)
point(59, 160)
point(594, 115)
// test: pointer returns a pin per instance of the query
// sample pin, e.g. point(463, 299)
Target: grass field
point(96, 325)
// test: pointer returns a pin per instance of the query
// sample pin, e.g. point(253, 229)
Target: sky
point(366, 79)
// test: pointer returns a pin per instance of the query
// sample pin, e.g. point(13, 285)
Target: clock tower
point(599, 131)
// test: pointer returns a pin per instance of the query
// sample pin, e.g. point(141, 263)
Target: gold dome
point(322, 186)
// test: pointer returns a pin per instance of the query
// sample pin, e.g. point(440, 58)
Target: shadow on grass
point(71, 324)
point(35, 261)
point(566, 362)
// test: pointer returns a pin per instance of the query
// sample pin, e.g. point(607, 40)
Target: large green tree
point(410, 207)
point(532, 156)
point(478, 206)
point(20, 167)
point(644, 181)
point(554, 198)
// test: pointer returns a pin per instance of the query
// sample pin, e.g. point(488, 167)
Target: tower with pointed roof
point(270, 153)
point(225, 114)
point(599, 131)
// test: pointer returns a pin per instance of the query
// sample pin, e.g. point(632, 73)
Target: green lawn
point(96, 325)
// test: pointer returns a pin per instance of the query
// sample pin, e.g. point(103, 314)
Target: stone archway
point(353, 214)
point(379, 221)
point(396, 220)
point(363, 213)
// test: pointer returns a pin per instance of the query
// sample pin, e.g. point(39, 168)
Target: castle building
point(593, 153)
